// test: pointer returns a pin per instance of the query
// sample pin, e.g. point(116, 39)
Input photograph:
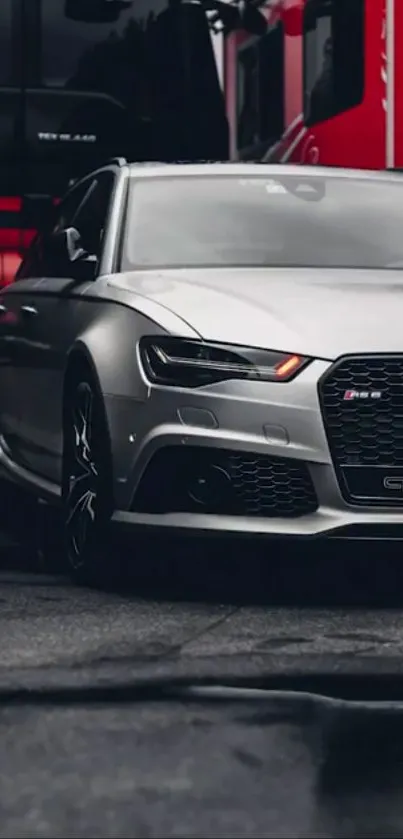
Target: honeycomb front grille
point(269, 487)
point(206, 480)
point(362, 407)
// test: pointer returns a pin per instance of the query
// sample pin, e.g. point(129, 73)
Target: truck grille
point(362, 407)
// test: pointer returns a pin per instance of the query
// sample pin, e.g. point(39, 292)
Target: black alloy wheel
point(87, 485)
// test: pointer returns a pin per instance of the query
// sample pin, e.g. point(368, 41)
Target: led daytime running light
point(284, 368)
point(172, 361)
point(206, 364)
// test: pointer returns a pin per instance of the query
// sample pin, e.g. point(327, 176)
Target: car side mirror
point(84, 267)
point(68, 258)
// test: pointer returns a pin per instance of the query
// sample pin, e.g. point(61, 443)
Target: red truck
point(323, 83)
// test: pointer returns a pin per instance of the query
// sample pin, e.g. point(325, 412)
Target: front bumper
point(323, 523)
point(267, 419)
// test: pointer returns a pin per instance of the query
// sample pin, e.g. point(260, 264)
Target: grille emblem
point(349, 395)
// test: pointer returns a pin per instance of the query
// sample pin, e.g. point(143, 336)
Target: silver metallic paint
point(313, 312)
point(318, 312)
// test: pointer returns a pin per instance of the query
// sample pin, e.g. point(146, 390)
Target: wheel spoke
point(82, 476)
point(79, 485)
point(84, 504)
point(82, 430)
point(82, 453)
point(79, 521)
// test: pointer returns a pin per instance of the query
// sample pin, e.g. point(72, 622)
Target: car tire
point(87, 484)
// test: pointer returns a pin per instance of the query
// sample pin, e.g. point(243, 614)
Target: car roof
point(152, 170)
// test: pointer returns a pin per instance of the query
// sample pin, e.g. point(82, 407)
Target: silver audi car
point(210, 348)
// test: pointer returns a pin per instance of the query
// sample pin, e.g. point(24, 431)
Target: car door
point(54, 312)
point(11, 328)
point(16, 400)
point(21, 352)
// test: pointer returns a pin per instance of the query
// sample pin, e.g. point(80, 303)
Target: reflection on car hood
point(318, 312)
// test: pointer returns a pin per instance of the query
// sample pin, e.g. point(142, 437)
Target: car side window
point(86, 207)
point(36, 262)
point(91, 217)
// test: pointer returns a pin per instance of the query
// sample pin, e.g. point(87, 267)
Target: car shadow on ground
point(309, 574)
point(299, 574)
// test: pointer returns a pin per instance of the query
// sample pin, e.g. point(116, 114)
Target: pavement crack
point(177, 649)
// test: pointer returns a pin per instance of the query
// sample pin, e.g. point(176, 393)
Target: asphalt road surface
point(201, 616)
point(74, 763)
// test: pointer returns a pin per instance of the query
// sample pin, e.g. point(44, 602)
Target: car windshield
point(288, 220)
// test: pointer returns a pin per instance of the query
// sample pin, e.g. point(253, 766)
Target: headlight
point(187, 363)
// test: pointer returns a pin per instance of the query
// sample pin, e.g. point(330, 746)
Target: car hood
point(317, 312)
